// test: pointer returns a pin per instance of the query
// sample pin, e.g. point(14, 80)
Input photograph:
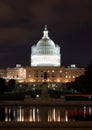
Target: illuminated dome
point(45, 41)
point(45, 53)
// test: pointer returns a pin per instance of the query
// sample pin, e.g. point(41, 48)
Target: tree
point(88, 70)
point(11, 85)
point(2, 85)
point(83, 84)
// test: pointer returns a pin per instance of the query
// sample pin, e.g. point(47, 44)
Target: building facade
point(53, 74)
point(42, 74)
point(45, 65)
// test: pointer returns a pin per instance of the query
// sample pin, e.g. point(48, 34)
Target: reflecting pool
point(42, 113)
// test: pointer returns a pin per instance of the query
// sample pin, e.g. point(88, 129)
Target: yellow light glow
point(58, 80)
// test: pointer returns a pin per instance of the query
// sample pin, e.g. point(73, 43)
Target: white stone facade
point(45, 53)
point(42, 74)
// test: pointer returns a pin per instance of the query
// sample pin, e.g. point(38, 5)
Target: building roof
point(45, 40)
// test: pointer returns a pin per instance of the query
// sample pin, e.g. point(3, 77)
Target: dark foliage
point(2, 85)
point(54, 93)
point(11, 85)
point(6, 88)
point(83, 84)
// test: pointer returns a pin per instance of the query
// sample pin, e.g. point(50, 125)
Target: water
point(48, 114)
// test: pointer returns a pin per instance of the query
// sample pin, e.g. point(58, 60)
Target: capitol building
point(46, 52)
point(45, 65)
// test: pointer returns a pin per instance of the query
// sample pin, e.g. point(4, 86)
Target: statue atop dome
point(45, 28)
point(45, 33)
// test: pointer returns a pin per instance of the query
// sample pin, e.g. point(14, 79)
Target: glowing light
point(33, 114)
point(45, 60)
point(60, 71)
point(54, 114)
point(73, 77)
point(66, 117)
point(58, 80)
point(30, 119)
point(66, 76)
point(69, 77)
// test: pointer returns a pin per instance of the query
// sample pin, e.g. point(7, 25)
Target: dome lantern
point(45, 40)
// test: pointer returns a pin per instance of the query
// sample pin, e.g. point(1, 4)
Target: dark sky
point(22, 22)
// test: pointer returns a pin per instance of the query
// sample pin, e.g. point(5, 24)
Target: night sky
point(22, 23)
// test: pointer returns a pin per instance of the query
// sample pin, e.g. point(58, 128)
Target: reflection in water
point(80, 114)
point(54, 114)
point(49, 114)
point(21, 114)
point(66, 117)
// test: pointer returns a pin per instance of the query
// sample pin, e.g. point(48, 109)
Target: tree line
point(6, 87)
point(83, 84)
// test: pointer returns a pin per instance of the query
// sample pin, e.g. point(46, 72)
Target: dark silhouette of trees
point(6, 88)
point(2, 85)
point(2, 114)
point(83, 84)
point(88, 70)
point(11, 85)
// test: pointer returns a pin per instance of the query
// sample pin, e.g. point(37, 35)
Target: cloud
point(22, 19)
point(6, 12)
point(13, 34)
point(46, 11)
